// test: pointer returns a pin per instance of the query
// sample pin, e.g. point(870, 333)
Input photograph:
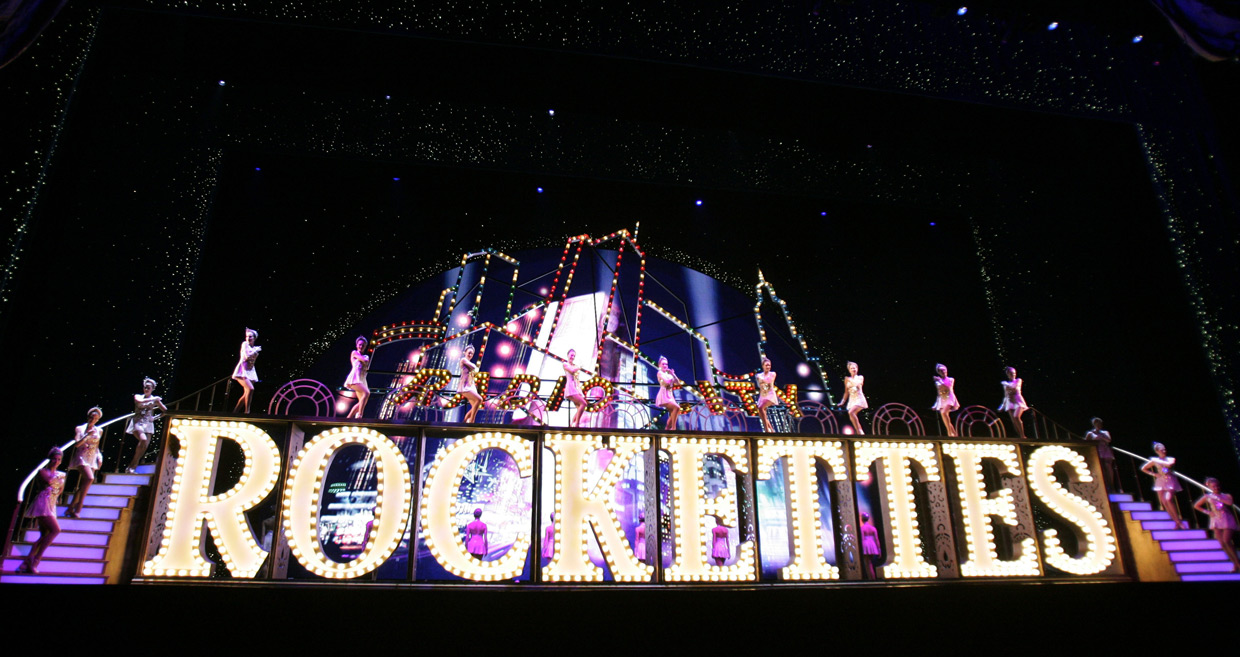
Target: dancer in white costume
point(945, 403)
point(854, 397)
point(359, 363)
point(244, 373)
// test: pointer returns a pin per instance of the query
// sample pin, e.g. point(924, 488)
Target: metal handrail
point(197, 393)
point(21, 490)
point(1194, 482)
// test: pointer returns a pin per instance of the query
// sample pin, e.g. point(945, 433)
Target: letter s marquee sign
point(943, 508)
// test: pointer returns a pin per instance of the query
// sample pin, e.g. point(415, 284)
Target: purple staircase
point(80, 554)
point(1195, 555)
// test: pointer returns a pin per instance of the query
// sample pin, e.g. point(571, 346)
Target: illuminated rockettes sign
point(1057, 478)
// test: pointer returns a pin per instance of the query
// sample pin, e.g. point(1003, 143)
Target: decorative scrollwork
point(320, 395)
point(817, 414)
point(896, 412)
point(972, 416)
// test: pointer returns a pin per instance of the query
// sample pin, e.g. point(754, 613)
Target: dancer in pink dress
point(1217, 505)
point(945, 403)
point(766, 394)
point(548, 546)
point(356, 381)
point(476, 536)
point(870, 550)
point(142, 424)
point(43, 510)
point(639, 539)
point(572, 389)
point(1165, 484)
point(468, 389)
point(244, 373)
point(87, 459)
point(1013, 401)
point(854, 397)
point(665, 399)
point(1106, 457)
point(720, 549)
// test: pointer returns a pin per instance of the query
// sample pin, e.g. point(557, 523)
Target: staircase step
point(146, 469)
point(1135, 506)
point(1175, 546)
point(1151, 525)
point(60, 566)
point(13, 578)
point(110, 501)
point(116, 489)
point(1178, 534)
point(1204, 567)
point(128, 479)
point(1198, 555)
point(1119, 497)
point(1221, 577)
point(85, 525)
point(1147, 515)
point(84, 539)
point(93, 512)
point(59, 551)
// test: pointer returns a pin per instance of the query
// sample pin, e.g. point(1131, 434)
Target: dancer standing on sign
point(87, 459)
point(721, 549)
point(476, 536)
point(142, 424)
point(665, 399)
point(356, 381)
point(766, 394)
point(1106, 457)
point(1013, 401)
point(1165, 484)
point(1217, 505)
point(43, 510)
point(946, 402)
point(572, 388)
point(468, 389)
point(854, 397)
point(244, 373)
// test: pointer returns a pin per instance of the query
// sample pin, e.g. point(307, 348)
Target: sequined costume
point(86, 456)
point(852, 390)
point(1103, 439)
point(1164, 478)
point(766, 388)
point(869, 540)
point(44, 503)
point(476, 538)
point(1012, 399)
point(667, 379)
point(245, 366)
point(467, 377)
point(357, 374)
point(143, 418)
point(548, 546)
point(945, 386)
point(1219, 509)
point(571, 387)
point(720, 549)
